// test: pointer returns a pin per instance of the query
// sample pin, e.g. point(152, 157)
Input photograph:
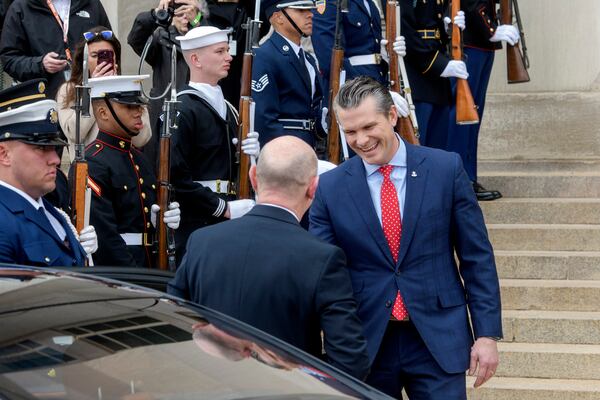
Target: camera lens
point(164, 17)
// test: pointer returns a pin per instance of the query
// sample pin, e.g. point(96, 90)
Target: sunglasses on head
point(106, 35)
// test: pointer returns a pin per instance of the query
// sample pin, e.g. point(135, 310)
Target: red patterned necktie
point(392, 228)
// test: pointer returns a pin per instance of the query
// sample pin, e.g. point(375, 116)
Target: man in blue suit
point(401, 213)
point(33, 231)
point(286, 82)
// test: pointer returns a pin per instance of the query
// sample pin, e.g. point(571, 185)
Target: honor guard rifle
point(335, 81)
point(466, 110)
point(246, 122)
point(517, 63)
point(165, 237)
point(406, 126)
point(81, 193)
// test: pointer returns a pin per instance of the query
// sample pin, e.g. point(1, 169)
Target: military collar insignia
point(321, 5)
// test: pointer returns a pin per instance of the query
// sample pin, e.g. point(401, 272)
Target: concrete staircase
point(546, 236)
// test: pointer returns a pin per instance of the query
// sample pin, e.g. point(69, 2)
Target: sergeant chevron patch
point(261, 84)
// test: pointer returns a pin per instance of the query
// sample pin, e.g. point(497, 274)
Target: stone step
point(567, 327)
point(550, 237)
point(543, 184)
point(544, 125)
point(553, 295)
point(554, 361)
point(572, 265)
point(539, 166)
point(502, 388)
point(542, 210)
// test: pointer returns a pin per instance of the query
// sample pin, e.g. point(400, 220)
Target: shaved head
point(287, 165)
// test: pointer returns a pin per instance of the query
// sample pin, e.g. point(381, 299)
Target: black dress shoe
point(485, 195)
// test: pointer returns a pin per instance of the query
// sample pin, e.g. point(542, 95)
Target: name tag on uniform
point(233, 48)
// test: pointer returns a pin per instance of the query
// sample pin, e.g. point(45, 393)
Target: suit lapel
point(359, 190)
point(73, 242)
point(416, 178)
point(284, 47)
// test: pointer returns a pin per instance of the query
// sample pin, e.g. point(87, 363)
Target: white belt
point(133, 239)
point(366, 59)
point(217, 186)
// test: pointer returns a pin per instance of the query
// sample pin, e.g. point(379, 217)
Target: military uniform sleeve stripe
point(220, 209)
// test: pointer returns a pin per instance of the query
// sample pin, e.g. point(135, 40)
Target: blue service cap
point(271, 6)
point(28, 116)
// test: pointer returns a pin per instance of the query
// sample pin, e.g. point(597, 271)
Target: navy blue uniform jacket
point(266, 270)
point(27, 237)
point(441, 217)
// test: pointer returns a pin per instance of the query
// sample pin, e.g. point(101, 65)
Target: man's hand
point(506, 33)
point(484, 360)
point(52, 64)
point(455, 69)
point(400, 103)
point(88, 239)
point(459, 20)
point(171, 217)
point(237, 208)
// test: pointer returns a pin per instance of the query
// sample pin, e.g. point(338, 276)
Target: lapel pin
point(285, 47)
point(413, 174)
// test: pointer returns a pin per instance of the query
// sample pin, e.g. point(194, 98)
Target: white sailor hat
point(203, 36)
point(126, 89)
point(271, 6)
point(28, 116)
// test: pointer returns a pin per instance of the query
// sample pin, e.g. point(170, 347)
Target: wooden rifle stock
point(163, 201)
point(404, 125)
point(80, 176)
point(466, 110)
point(333, 136)
point(244, 189)
point(515, 65)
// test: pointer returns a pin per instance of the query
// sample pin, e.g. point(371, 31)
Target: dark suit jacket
point(441, 216)
point(267, 271)
point(27, 238)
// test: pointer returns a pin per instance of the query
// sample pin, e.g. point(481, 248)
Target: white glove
point(88, 239)
point(399, 45)
point(455, 69)
point(250, 145)
point(238, 208)
point(400, 103)
point(324, 166)
point(506, 33)
point(459, 20)
point(171, 217)
point(324, 118)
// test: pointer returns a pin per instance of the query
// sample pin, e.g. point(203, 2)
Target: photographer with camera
point(169, 19)
point(38, 37)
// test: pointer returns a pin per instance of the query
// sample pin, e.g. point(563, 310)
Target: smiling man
point(203, 165)
point(33, 232)
point(401, 213)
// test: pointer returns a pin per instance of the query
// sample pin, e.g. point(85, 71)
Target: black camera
point(164, 17)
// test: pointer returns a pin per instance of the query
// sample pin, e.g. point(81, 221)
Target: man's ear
point(5, 154)
point(253, 180)
point(312, 187)
point(100, 110)
point(393, 116)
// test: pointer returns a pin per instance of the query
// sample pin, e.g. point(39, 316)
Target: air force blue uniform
point(362, 37)
point(282, 91)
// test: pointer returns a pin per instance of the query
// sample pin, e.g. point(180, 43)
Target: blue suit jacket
point(281, 91)
point(27, 237)
point(441, 216)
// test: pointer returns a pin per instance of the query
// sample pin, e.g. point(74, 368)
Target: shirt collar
point(293, 45)
point(399, 159)
point(35, 203)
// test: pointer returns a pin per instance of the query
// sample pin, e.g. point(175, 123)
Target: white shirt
point(311, 71)
point(214, 96)
point(37, 204)
point(283, 208)
point(398, 178)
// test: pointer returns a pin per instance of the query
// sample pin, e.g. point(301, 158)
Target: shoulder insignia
point(94, 186)
point(261, 84)
point(321, 6)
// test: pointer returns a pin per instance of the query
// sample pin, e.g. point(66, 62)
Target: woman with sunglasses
point(102, 43)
